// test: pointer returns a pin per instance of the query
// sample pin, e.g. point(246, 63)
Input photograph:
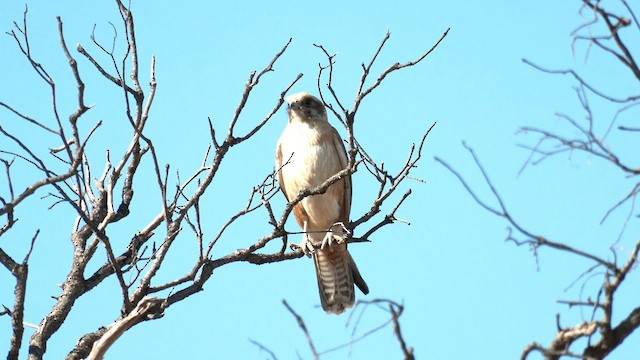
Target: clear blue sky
point(467, 293)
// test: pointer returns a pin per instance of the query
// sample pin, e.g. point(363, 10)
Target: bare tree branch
point(601, 334)
point(394, 309)
point(99, 201)
point(118, 328)
point(303, 327)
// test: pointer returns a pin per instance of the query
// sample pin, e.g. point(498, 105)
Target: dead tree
point(598, 335)
point(100, 191)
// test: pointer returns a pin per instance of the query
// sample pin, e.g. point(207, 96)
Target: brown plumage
point(309, 152)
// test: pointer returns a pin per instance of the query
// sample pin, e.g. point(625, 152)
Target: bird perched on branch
point(309, 152)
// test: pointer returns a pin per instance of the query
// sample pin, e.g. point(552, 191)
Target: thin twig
point(302, 326)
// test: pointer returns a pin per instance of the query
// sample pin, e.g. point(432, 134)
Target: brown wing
point(346, 182)
point(346, 208)
point(279, 168)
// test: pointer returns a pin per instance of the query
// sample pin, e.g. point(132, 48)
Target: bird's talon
point(306, 246)
point(330, 239)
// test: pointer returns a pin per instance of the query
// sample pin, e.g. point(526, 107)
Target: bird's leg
point(345, 230)
point(306, 245)
point(337, 234)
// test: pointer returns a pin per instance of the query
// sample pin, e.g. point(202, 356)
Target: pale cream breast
point(311, 160)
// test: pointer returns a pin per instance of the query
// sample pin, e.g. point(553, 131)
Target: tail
point(337, 273)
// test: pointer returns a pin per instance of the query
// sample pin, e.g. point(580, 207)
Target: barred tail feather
point(336, 273)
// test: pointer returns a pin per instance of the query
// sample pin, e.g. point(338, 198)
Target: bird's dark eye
point(307, 102)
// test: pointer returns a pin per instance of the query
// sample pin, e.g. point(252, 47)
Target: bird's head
point(306, 107)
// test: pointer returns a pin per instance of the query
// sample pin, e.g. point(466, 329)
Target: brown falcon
point(309, 152)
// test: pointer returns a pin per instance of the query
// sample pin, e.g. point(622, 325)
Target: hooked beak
point(294, 106)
